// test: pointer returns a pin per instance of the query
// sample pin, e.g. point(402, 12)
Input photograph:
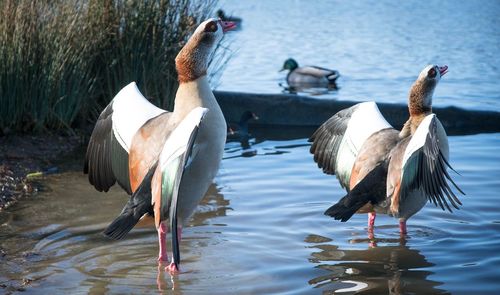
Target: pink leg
point(162, 235)
point(371, 220)
point(371, 224)
point(402, 227)
point(172, 268)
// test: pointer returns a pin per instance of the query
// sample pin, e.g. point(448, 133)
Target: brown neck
point(187, 69)
point(191, 61)
point(420, 98)
point(417, 109)
point(411, 125)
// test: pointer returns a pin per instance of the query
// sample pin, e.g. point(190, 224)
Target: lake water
point(379, 47)
point(261, 228)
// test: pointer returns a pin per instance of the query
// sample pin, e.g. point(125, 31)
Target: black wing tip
point(340, 212)
point(120, 227)
point(138, 205)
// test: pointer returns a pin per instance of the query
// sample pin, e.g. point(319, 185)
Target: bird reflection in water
point(211, 206)
point(376, 270)
point(308, 89)
point(238, 132)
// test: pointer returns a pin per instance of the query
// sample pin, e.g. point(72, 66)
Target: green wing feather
point(171, 180)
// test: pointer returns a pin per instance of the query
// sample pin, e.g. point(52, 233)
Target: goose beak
point(281, 70)
point(227, 25)
point(443, 70)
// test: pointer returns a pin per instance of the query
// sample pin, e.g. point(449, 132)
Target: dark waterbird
point(385, 170)
point(164, 160)
point(238, 131)
point(222, 15)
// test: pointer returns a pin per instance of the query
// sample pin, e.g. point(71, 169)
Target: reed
point(62, 61)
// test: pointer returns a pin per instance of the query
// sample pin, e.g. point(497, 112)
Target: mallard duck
point(308, 75)
point(164, 160)
point(384, 170)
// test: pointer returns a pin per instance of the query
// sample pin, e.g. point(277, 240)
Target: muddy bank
point(26, 158)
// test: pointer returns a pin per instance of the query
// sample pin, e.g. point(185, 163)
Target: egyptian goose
point(384, 170)
point(308, 75)
point(164, 160)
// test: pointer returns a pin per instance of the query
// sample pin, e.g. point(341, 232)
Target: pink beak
point(443, 70)
point(227, 26)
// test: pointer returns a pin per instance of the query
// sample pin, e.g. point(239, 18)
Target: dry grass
point(61, 61)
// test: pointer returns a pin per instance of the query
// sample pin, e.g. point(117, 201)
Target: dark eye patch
point(211, 27)
point(432, 73)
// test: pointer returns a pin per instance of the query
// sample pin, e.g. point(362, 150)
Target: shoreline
point(27, 157)
point(24, 158)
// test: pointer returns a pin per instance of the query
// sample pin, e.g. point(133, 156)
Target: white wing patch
point(130, 111)
point(365, 121)
point(177, 142)
point(418, 139)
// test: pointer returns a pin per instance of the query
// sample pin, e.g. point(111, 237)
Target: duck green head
point(290, 64)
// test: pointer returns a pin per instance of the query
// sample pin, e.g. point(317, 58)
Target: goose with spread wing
point(164, 160)
point(384, 170)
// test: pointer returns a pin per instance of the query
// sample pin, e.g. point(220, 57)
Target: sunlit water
point(261, 228)
point(379, 47)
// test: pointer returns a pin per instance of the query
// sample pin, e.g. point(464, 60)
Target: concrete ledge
point(287, 110)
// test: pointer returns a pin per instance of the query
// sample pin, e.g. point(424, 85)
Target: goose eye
point(432, 73)
point(211, 27)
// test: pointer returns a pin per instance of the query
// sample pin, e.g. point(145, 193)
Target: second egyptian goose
point(385, 170)
point(165, 160)
point(308, 75)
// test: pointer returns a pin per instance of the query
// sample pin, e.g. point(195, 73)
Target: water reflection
point(308, 89)
point(212, 205)
point(51, 244)
point(48, 246)
point(249, 149)
point(393, 269)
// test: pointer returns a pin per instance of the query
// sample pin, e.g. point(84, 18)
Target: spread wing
point(336, 143)
point(98, 160)
point(106, 160)
point(425, 165)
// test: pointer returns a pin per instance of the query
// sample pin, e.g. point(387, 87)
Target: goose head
point(420, 98)
point(290, 64)
point(192, 61)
